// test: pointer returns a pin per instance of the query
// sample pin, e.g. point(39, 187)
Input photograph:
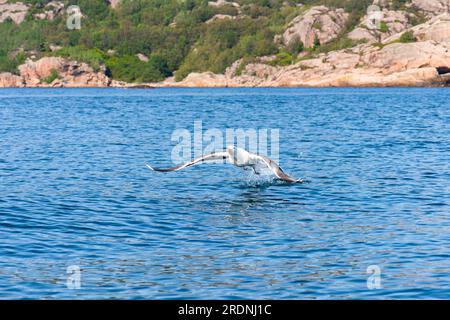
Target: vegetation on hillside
point(173, 34)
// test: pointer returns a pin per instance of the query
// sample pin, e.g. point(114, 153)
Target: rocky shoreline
point(422, 63)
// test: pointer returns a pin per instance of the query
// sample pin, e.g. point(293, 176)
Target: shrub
point(160, 64)
point(316, 41)
point(131, 69)
point(282, 59)
point(407, 37)
point(295, 46)
point(94, 9)
point(384, 27)
point(52, 77)
point(10, 64)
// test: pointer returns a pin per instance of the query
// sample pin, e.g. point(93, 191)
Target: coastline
point(416, 78)
point(421, 63)
point(234, 87)
point(401, 55)
point(138, 86)
point(418, 64)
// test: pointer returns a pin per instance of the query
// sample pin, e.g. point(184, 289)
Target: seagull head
point(230, 150)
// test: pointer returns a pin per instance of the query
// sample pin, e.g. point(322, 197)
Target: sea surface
point(82, 217)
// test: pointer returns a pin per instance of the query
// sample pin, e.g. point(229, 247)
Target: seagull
point(239, 158)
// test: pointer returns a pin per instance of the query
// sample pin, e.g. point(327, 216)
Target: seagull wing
point(277, 171)
point(209, 157)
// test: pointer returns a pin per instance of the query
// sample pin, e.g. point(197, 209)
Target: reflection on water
point(74, 190)
point(252, 198)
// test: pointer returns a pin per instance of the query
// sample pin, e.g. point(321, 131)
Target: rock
point(424, 63)
point(320, 22)
point(432, 7)
point(54, 47)
point(76, 74)
point(260, 70)
point(34, 71)
point(122, 84)
point(403, 56)
point(259, 67)
point(142, 57)
point(231, 71)
point(437, 29)
point(361, 33)
point(439, 32)
point(395, 21)
point(415, 77)
point(343, 60)
point(220, 17)
point(52, 9)
point(224, 3)
point(118, 84)
point(9, 80)
point(221, 3)
point(15, 11)
point(205, 79)
point(114, 3)
point(381, 3)
point(70, 73)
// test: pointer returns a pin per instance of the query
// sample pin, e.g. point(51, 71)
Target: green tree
point(295, 46)
point(316, 41)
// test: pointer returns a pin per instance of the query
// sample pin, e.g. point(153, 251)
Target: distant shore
point(416, 64)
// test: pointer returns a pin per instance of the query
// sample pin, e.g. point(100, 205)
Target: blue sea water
point(74, 191)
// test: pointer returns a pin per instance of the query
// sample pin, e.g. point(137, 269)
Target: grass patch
point(52, 77)
point(282, 59)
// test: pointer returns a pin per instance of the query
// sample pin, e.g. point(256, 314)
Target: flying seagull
point(240, 158)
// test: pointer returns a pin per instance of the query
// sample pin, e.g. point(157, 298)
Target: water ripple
point(75, 191)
